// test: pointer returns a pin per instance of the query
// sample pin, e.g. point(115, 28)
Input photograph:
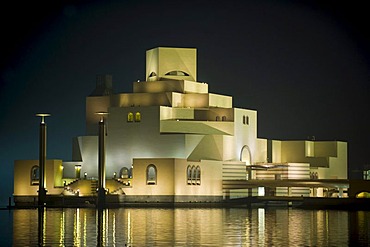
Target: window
point(188, 174)
point(246, 120)
point(363, 195)
point(137, 117)
point(77, 171)
point(152, 74)
point(193, 175)
point(223, 118)
point(193, 179)
point(130, 117)
point(217, 118)
point(151, 175)
point(124, 173)
point(177, 73)
point(35, 175)
point(197, 175)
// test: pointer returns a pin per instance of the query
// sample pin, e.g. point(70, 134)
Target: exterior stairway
point(68, 188)
point(94, 186)
point(119, 186)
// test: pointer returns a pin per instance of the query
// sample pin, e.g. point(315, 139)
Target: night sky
point(303, 65)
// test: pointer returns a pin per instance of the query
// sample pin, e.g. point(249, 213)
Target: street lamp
point(42, 159)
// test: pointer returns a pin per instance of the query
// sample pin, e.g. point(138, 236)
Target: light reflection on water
point(189, 227)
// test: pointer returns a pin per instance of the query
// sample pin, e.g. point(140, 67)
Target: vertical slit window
point(197, 175)
point(245, 120)
point(193, 175)
point(188, 174)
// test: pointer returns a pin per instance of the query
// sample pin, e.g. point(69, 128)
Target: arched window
point(35, 175)
point(130, 117)
point(124, 173)
point(152, 74)
point(223, 118)
point(197, 175)
point(137, 117)
point(217, 118)
point(363, 194)
point(177, 73)
point(193, 175)
point(188, 174)
point(151, 175)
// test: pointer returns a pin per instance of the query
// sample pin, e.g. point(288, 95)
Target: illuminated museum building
point(171, 140)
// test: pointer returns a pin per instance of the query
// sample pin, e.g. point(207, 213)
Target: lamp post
point(101, 160)
point(42, 159)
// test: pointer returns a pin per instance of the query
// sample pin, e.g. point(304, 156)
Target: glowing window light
point(261, 191)
point(35, 175)
point(363, 195)
point(130, 117)
point(137, 117)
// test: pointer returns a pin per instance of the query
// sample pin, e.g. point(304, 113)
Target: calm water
point(184, 227)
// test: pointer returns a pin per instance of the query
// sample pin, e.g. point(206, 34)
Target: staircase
point(94, 186)
point(68, 191)
point(120, 186)
point(68, 188)
point(120, 182)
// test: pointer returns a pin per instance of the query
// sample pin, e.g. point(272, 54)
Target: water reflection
point(190, 227)
point(41, 226)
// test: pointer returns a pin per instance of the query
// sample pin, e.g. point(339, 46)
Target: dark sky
point(304, 65)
